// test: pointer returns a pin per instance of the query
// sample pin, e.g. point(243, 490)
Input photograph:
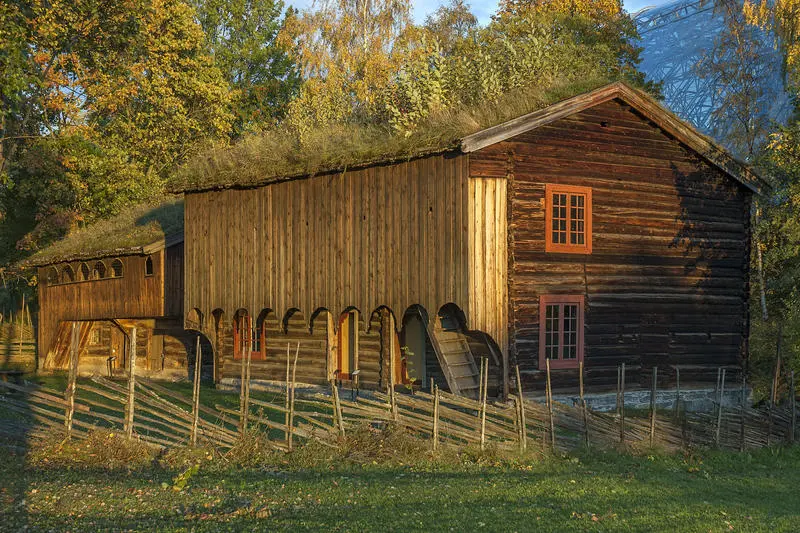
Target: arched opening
point(52, 276)
point(264, 333)
point(67, 274)
point(242, 326)
point(194, 320)
point(99, 270)
point(347, 354)
point(84, 272)
point(206, 356)
point(116, 268)
point(148, 266)
point(414, 347)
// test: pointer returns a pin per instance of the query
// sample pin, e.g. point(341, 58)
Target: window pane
point(577, 212)
point(551, 332)
point(570, 331)
point(559, 219)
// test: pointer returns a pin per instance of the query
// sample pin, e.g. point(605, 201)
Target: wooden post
point(392, 368)
point(522, 422)
point(619, 380)
point(288, 369)
point(131, 385)
point(770, 405)
point(337, 408)
point(721, 398)
point(549, 401)
point(198, 358)
point(743, 411)
point(435, 418)
point(653, 407)
point(776, 375)
point(622, 405)
point(484, 387)
point(249, 355)
point(677, 389)
point(290, 427)
point(244, 411)
point(72, 380)
point(583, 406)
point(792, 398)
point(21, 324)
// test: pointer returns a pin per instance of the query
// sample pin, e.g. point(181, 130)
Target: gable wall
point(134, 295)
point(667, 282)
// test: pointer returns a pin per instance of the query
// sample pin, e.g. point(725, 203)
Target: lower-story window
point(560, 330)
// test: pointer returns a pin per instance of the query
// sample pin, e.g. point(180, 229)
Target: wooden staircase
point(455, 357)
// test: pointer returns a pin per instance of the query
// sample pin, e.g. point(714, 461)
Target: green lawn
point(604, 492)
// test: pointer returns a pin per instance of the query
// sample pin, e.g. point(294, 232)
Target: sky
point(482, 9)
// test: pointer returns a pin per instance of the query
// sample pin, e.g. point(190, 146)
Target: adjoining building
point(598, 229)
point(108, 278)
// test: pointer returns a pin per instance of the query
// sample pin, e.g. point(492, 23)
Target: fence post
point(482, 398)
point(286, 415)
point(677, 389)
point(290, 427)
point(337, 408)
point(72, 380)
point(622, 405)
point(653, 391)
point(522, 423)
point(198, 358)
point(584, 416)
point(549, 401)
point(792, 398)
point(435, 418)
point(719, 410)
point(131, 386)
point(742, 404)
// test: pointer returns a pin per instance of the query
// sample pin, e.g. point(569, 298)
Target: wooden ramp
point(455, 357)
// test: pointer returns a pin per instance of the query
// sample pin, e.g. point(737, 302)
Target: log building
point(599, 229)
point(110, 278)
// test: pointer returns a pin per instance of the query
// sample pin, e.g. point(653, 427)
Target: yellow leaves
point(782, 17)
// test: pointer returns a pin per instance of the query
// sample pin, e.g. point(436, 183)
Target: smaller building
point(109, 278)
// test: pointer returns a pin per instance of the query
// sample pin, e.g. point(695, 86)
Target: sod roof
point(277, 155)
point(137, 230)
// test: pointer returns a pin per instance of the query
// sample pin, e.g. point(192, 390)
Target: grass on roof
point(277, 154)
point(140, 225)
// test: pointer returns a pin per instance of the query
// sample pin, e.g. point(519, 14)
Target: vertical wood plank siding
point(667, 282)
point(387, 236)
point(134, 295)
point(381, 236)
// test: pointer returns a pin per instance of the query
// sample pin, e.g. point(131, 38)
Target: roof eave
point(146, 249)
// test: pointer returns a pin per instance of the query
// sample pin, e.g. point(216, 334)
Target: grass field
point(599, 492)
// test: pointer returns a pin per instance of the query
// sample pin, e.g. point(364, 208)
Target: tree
point(347, 51)
point(109, 96)
point(451, 24)
point(242, 37)
point(783, 18)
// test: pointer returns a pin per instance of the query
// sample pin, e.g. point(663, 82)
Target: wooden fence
point(154, 413)
point(17, 340)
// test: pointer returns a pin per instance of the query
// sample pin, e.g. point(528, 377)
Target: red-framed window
point(561, 330)
point(246, 336)
point(568, 219)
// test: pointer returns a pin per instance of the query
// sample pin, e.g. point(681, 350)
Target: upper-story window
point(68, 275)
point(99, 270)
point(84, 272)
point(568, 219)
point(52, 276)
point(116, 268)
point(148, 266)
point(561, 330)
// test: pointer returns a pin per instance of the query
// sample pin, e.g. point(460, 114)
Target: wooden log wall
point(134, 295)
point(667, 281)
point(162, 346)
